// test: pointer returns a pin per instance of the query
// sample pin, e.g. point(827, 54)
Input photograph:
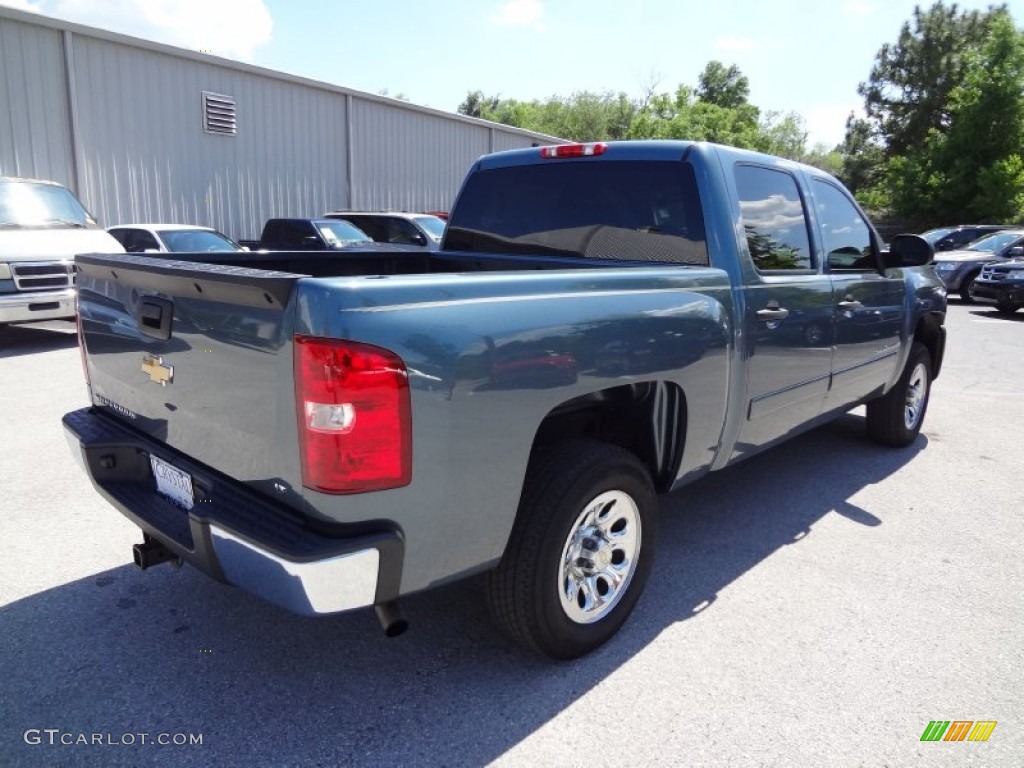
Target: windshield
point(31, 204)
point(433, 226)
point(992, 243)
point(340, 232)
point(934, 235)
point(196, 240)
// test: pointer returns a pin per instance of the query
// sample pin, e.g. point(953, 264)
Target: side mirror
point(419, 239)
point(908, 251)
point(1017, 250)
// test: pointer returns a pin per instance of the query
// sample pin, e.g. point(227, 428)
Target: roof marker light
point(574, 150)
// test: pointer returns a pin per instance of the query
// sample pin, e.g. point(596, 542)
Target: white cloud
point(229, 28)
point(21, 5)
point(858, 8)
point(826, 123)
point(733, 44)
point(520, 13)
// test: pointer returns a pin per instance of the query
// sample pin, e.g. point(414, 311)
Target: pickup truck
point(336, 434)
point(42, 227)
point(313, 235)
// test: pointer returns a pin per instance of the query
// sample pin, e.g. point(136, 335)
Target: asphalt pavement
point(818, 605)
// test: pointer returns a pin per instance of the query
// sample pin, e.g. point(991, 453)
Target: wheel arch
point(648, 419)
point(930, 332)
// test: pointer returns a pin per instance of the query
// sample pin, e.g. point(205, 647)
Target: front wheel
point(896, 418)
point(1006, 307)
point(967, 288)
point(580, 551)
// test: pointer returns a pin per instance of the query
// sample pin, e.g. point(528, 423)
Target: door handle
point(772, 313)
point(848, 304)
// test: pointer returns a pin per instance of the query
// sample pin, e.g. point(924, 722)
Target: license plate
point(172, 482)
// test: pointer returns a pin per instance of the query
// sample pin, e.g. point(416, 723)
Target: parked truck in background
point(321, 234)
point(42, 227)
point(333, 434)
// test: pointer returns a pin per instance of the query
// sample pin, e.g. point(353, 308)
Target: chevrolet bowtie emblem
point(158, 372)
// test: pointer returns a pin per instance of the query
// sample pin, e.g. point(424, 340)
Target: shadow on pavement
point(18, 340)
point(994, 314)
point(171, 651)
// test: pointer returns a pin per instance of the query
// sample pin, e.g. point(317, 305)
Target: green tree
point(908, 92)
point(725, 86)
point(974, 169)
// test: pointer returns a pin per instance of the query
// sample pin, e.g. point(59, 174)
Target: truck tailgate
point(199, 357)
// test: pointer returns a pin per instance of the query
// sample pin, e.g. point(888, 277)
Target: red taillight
point(355, 425)
point(574, 150)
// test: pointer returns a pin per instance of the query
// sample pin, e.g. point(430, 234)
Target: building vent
point(219, 114)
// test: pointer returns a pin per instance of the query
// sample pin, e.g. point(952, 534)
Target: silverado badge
point(158, 372)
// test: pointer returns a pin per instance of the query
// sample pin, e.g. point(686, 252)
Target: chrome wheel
point(917, 391)
point(599, 557)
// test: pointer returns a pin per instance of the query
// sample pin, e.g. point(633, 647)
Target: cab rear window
point(620, 210)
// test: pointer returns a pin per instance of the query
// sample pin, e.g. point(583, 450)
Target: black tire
point(1006, 308)
point(896, 418)
point(967, 288)
point(564, 484)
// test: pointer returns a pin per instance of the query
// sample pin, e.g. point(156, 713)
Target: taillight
point(574, 150)
point(355, 425)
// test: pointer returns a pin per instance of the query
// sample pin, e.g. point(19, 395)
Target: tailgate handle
point(155, 317)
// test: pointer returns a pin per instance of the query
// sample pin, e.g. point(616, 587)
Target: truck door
point(870, 307)
point(788, 313)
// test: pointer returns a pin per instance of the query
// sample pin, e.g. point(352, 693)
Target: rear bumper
point(34, 307)
point(234, 534)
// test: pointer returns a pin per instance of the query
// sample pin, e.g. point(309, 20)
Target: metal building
point(143, 131)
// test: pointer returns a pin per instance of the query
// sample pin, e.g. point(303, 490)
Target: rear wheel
point(896, 418)
point(580, 551)
point(1006, 308)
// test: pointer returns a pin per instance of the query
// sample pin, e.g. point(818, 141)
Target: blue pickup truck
point(604, 323)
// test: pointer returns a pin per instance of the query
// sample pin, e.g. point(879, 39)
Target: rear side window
point(774, 219)
point(620, 210)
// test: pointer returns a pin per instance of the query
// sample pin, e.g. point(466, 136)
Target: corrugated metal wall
point(33, 96)
point(119, 120)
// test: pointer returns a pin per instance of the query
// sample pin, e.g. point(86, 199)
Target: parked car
point(353, 442)
point(1003, 283)
point(956, 237)
point(400, 228)
point(960, 269)
point(42, 227)
point(171, 238)
point(320, 234)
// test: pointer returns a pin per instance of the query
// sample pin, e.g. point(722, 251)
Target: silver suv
point(959, 269)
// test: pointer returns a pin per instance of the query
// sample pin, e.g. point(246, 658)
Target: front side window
point(845, 234)
point(774, 219)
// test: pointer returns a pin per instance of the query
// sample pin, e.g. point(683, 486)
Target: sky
point(802, 56)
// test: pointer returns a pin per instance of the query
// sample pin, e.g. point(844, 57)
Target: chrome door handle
point(849, 304)
point(772, 313)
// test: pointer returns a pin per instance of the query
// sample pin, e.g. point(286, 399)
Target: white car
point(171, 238)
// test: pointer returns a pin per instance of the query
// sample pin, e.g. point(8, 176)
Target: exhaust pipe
point(151, 552)
point(391, 619)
